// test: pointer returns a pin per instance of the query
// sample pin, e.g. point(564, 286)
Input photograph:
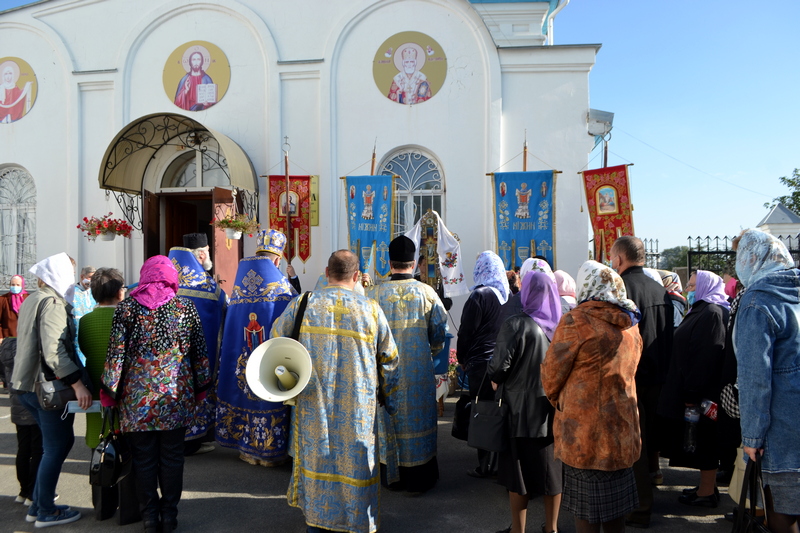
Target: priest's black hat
point(195, 240)
point(402, 249)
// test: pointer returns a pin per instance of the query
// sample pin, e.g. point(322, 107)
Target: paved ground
point(221, 494)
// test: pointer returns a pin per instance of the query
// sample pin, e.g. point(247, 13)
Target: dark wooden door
point(151, 221)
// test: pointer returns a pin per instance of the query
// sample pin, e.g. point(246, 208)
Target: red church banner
point(299, 208)
point(610, 209)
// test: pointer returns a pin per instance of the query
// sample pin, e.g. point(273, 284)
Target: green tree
point(792, 200)
point(674, 257)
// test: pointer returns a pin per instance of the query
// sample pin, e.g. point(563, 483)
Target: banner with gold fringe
point(298, 207)
point(610, 209)
point(370, 213)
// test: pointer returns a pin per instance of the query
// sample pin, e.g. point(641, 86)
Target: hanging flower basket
point(105, 228)
point(231, 233)
point(240, 223)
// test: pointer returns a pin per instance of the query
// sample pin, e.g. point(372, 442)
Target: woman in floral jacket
point(156, 371)
point(588, 375)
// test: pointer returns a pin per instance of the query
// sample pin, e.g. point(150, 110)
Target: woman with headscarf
point(766, 339)
point(672, 282)
point(9, 307)
point(480, 322)
point(698, 348)
point(566, 290)
point(528, 469)
point(514, 304)
point(588, 375)
point(46, 341)
point(156, 372)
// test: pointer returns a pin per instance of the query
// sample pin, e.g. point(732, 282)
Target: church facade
point(164, 112)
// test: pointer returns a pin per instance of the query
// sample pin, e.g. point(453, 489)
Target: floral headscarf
point(17, 299)
point(671, 281)
point(710, 288)
point(534, 263)
point(759, 254)
point(597, 281)
point(158, 282)
point(540, 301)
point(491, 272)
point(56, 271)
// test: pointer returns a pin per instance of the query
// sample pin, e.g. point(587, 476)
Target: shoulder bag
point(112, 458)
point(488, 425)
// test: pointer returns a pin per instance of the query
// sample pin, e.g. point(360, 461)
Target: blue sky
point(712, 88)
point(705, 101)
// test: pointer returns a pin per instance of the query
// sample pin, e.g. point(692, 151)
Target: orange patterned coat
point(588, 375)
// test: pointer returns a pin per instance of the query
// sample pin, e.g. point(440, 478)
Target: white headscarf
point(759, 254)
point(534, 263)
point(56, 271)
point(490, 272)
point(597, 281)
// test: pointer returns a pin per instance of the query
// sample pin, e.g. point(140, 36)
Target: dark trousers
point(29, 455)
point(158, 463)
point(482, 389)
point(647, 402)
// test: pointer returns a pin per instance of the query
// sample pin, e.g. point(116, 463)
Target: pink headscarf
point(16, 299)
point(540, 301)
point(158, 282)
point(566, 287)
point(730, 288)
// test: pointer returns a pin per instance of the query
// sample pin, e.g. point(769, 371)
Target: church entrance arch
point(171, 176)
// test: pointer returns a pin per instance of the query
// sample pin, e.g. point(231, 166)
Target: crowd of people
point(599, 374)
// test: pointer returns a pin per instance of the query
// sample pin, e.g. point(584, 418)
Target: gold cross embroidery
point(401, 297)
point(338, 310)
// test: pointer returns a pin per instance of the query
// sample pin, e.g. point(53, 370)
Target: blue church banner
point(370, 212)
point(524, 209)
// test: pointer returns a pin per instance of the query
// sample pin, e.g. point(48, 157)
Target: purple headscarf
point(540, 301)
point(710, 288)
point(158, 282)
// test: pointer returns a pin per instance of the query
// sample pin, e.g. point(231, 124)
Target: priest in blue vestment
point(257, 428)
point(193, 263)
point(419, 326)
point(335, 473)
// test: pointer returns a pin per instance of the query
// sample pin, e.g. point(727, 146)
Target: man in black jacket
point(627, 257)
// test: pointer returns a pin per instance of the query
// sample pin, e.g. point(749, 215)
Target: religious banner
point(298, 206)
point(610, 209)
point(370, 212)
point(524, 209)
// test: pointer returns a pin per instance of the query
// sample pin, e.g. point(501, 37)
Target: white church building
point(159, 110)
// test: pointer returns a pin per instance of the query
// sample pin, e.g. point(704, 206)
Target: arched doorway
point(172, 176)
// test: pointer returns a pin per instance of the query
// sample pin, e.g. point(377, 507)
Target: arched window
point(419, 187)
point(17, 225)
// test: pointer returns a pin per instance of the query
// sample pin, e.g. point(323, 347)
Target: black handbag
point(461, 419)
point(746, 520)
point(112, 458)
point(488, 425)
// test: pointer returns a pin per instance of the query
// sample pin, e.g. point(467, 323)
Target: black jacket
point(697, 358)
point(516, 364)
point(655, 327)
point(480, 322)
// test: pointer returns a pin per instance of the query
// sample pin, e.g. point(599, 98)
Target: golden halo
point(14, 67)
point(187, 65)
point(398, 56)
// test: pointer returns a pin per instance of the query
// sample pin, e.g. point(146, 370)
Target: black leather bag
point(746, 520)
point(461, 419)
point(488, 426)
point(112, 458)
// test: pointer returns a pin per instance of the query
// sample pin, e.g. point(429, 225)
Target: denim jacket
point(767, 344)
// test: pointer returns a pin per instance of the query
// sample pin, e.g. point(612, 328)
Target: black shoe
point(168, 525)
point(478, 473)
point(699, 501)
point(506, 530)
point(693, 490)
point(152, 527)
point(637, 525)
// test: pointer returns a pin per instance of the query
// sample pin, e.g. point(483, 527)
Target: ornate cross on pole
point(382, 248)
point(504, 249)
point(543, 248)
point(338, 310)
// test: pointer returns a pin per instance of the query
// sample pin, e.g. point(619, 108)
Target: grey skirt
point(785, 491)
point(598, 496)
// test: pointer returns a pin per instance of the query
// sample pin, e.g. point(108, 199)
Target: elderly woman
point(480, 322)
point(766, 339)
point(588, 375)
point(695, 374)
point(46, 340)
point(528, 468)
point(566, 290)
point(156, 371)
point(514, 304)
point(672, 282)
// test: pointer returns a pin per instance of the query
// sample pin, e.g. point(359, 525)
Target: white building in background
point(104, 118)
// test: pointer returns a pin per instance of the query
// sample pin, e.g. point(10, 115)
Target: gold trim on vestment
point(319, 476)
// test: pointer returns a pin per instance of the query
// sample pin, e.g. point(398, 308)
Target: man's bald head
point(342, 265)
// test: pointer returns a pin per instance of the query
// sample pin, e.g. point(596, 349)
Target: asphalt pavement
point(221, 494)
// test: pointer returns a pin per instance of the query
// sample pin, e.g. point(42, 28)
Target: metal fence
point(652, 257)
point(717, 254)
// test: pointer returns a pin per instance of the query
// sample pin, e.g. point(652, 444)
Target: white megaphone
point(278, 370)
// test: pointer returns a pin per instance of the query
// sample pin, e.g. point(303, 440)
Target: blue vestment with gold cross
point(419, 325)
point(209, 299)
point(335, 474)
point(257, 428)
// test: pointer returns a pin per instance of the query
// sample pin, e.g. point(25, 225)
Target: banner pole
point(289, 233)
